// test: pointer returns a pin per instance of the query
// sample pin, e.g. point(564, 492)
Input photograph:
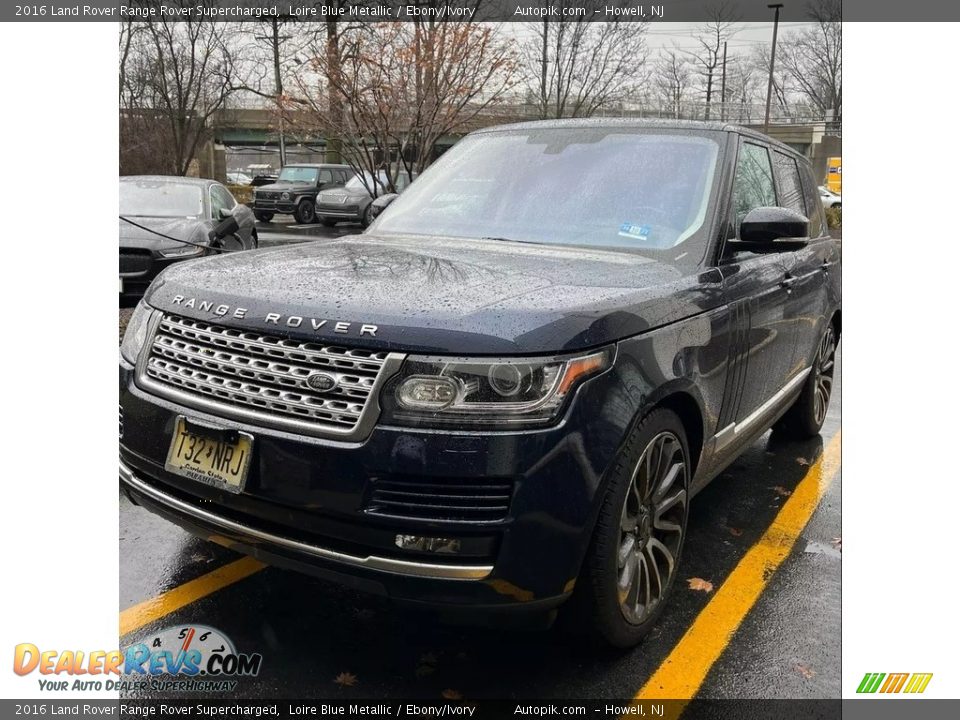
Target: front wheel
point(305, 212)
point(634, 555)
point(367, 216)
point(263, 216)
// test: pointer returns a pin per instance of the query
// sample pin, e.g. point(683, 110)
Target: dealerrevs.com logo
point(912, 683)
point(178, 658)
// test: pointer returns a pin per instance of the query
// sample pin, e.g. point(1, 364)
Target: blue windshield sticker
point(633, 230)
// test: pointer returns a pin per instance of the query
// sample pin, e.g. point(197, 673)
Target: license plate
point(216, 457)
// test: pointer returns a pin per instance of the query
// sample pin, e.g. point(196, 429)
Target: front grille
point(459, 500)
point(327, 207)
point(134, 261)
point(244, 372)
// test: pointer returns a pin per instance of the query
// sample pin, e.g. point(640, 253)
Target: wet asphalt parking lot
point(779, 636)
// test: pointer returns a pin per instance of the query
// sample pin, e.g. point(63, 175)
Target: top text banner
point(469, 10)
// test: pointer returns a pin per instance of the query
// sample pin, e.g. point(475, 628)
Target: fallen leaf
point(802, 461)
point(428, 658)
point(700, 584)
point(782, 491)
point(805, 671)
point(345, 679)
point(452, 695)
point(736, 532)
point(836, 542)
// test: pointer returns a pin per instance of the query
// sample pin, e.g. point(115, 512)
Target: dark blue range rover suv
point(503, 395)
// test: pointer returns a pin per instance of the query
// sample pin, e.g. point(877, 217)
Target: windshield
point(299, 174)
point(607, 187)
point(144, 198)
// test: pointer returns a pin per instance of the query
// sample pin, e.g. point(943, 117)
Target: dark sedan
point(164, 220)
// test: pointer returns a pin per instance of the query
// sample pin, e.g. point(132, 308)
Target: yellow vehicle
point(834, 177)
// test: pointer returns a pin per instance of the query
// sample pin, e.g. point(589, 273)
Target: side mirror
point(227, 227)
point(772, 229)
point(380, 204)
point(225, 213)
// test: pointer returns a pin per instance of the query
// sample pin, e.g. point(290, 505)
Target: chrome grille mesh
point(266, 374)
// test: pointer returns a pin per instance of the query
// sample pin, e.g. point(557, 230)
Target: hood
point(442, 295)
point(341, 191)
point(284, 186)
point(190, 229)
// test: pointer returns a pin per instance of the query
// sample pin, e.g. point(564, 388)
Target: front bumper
point(306, 504)
point(284, 207)
point(136, 278)
point(338, 211)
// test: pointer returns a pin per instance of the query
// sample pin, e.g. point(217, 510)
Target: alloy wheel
point(652, 526)
point(823, 378)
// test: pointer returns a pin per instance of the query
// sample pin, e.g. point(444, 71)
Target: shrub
point(833, 217)
point(243, 193)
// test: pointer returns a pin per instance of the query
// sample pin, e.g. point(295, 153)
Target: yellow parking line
point(146, 612)
point(683, 672)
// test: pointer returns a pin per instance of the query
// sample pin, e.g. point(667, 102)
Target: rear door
point(757, 289)
point(808, 303)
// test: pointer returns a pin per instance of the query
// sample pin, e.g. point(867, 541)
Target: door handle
point(787, 282)
point(825, 266)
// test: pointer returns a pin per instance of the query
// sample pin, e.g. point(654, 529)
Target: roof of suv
point(641, 123)
point(318, 165)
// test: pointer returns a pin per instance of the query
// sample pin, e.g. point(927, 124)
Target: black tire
point(328, 222)
point(305, 212)
point(367, 216)
point(263, 216)
point(254, 240)
point(601, 604)
point(805, 417)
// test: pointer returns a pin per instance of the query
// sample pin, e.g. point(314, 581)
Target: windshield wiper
point(514, 240)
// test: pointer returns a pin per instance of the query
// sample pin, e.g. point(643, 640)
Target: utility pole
point(543, 71)
point(278, 86)
point(723, 85)
point(275, 38)
point(773, 55)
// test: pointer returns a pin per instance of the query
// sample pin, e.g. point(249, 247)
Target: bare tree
point(672, 80)
point(177, 74)
point(812, 58)
point(708, 55)
point(394, 89)
point(575, 67)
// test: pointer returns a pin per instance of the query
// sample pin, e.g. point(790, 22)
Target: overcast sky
point(667, 34)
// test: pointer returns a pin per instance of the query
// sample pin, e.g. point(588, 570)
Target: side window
point(220, 198)
point(814, 203)
point(753, 185)
point(788, 180)
point(324, 176)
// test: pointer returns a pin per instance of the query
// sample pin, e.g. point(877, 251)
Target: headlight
point(183, 251)
point(136, 333)
point(482, 392)
point(284, 196)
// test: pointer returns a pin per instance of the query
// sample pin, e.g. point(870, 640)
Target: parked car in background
point(180, 208)
point(353, 201)
point(829, 198)
point(295, 191)
point(505, 394)
point(238, 177)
